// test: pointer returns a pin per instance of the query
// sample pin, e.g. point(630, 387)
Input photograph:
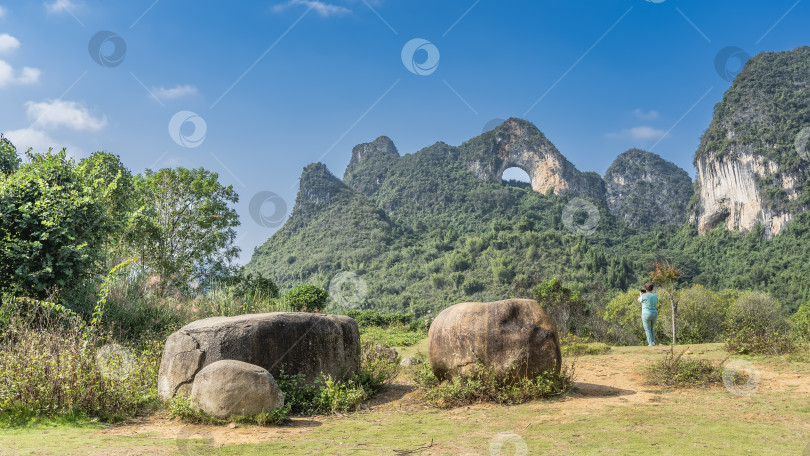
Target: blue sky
point(260, 89)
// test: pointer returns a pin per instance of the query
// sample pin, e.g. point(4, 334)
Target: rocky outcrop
point(730, 194)
point(300, 343)
point(230, 387)
point(514, 337)
point(752, 160)
point(518, 143)
point(645, 190)
point(378, 155)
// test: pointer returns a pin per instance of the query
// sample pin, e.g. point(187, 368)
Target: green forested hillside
point(432, 234)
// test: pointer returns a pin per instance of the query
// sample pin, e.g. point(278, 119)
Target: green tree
point(564, 305)
point(184, 229)
point(306, 297)
point(52, 226)
point(9, 161)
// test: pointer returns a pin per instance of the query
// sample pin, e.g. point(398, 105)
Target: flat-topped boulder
point(514, 337)
point(300, 343)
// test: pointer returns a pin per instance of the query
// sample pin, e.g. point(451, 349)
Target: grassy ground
point(610, 411)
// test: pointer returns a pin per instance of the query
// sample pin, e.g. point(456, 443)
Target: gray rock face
point(231, 387)
point(505, 335)
point(518, 143)
point(645, 190)
point(301, 343)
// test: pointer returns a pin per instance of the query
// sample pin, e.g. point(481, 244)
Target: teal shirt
point(649, 302)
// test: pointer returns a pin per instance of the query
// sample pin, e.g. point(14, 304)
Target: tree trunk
point(674, 311)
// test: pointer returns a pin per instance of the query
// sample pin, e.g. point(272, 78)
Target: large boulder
point(231, 387)
point(505, 335)
point(301, 343)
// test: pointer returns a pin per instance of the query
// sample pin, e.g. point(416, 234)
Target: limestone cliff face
point(751, 168)
point(645, 190)
point(378, 155)
point(318, 187)
point(730, 194)
point(518, 143)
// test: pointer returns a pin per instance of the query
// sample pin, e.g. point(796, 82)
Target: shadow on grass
point(594, 390)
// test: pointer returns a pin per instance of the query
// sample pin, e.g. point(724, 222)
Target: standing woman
point(649, 311)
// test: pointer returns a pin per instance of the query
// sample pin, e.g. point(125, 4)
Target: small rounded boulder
point(515, 337)
point(229, 387)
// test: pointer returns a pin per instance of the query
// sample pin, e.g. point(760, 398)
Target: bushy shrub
point(472, 286)
point(676, 371)
point(393, 336)
point(327, 395)
point(306, 297)
point(180, 407)
point(624, 311)
point(755, 323)
point(482, 384)
point(372, 317)
point(701, 315)
point(801, 322)
point(48, 367)
point(573, 345)
point(564, 305)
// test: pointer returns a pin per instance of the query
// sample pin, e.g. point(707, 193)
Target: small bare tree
point(666, 276)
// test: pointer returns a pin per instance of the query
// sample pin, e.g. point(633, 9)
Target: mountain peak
point(382, 145)
point(317, 186)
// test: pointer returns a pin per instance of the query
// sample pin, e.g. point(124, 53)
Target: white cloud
point(40, 141)
point(9, 76)
point(323, 9)
point(174, 92)
point(642, 132)
point(60, 113)
point(57, 6)
point(8, 43)
point(648, 115)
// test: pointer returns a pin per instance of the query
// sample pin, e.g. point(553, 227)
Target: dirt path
point(601, 382)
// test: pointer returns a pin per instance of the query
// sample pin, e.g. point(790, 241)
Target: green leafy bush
point(572, 345)
point(372, 317)
point(676, 371)
point(755, 323)
point(801, 322)
point(482, 384)
point(306, 297)
point(327, 395)
point(180, 407)
point(48, 368)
